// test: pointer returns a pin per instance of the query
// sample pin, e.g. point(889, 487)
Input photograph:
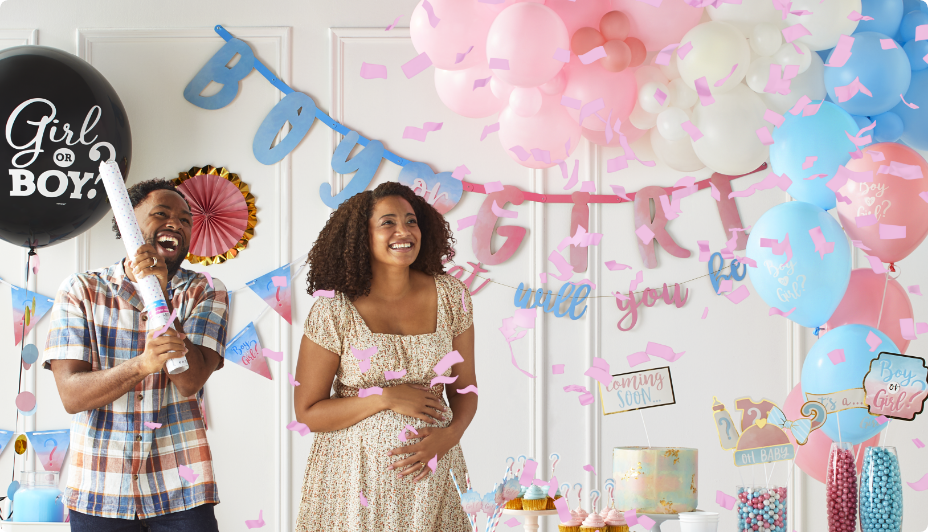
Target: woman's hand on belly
point(416, 401)
point(432, 442)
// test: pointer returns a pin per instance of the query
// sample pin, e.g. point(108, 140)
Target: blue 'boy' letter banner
point(296, 108)
point(216, 70)
point(366, 163)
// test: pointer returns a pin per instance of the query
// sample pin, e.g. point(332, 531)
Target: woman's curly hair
point(341, 256)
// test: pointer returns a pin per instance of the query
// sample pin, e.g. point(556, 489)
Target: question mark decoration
point(728, 434)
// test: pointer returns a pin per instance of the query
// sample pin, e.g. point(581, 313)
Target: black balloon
point(61, 119)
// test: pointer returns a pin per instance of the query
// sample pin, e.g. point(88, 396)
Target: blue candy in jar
point(880, 491)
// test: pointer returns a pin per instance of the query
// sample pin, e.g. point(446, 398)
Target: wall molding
point(281, 38)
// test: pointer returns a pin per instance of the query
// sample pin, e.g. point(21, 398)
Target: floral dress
point(347, 463)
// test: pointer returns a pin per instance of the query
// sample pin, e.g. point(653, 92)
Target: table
point(531, 517)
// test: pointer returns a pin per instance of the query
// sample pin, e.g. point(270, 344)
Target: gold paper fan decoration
point(224, 213)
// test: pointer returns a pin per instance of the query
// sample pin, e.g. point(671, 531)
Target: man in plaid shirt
point(139, 455)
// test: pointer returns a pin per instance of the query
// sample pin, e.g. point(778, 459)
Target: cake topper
point(896, 386)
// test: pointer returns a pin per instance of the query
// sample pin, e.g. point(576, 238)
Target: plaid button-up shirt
point(119, 467)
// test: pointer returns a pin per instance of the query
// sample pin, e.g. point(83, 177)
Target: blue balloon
point(888, 127)
point(811, 283)
point(820, 135)
point(910, 21)
point(862, 121)
point(916, 52)
point(885, 73)
point(915, 120)
point(887, 14)
point(824, 54)
point(821, 376)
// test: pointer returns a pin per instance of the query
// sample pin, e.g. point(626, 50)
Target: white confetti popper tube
point(148, 287)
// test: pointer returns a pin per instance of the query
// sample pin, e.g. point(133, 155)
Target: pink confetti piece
point(631, 518)
point(458, 57)
point(187, 473)
point(520, 153)
point(923, 195)
point(911, 105)
point(921, 32)
point(822, 247)
point(857, 16)
point(416, 133)
point(502, 213)
point(875, 264)
point(810, 160)
point(613, 266)
point(921, 327)
point(391, 375)
point(859, 244)
point(562, 55)
point(499, 64)
point(691, 130)
point(727, 285)
point(324, 293)
point(279, 280)
point(722, 81)
point(739, 295)
point(416, 65)
point(638, 358)
point(460, 172)
point(466, 222)
point(292, 379)
point(590, 108)
point(716, 195)
point(907, 328)
point(846, 92)
point(469, 389)
point(495, 186)
point(364, 502)
point(450, 359)
point(589, 468)
point(881, 420)
point(433, 19)
point(794, 32)
point(370, 71)
point(209, 278)
point(391, 26)
point(478, 83)
point(639, 277)
point(464, 300)
point(441, 379)
point(525, 318)
point(747, 260)
point(811, 109)
point(876, 156)
point(705, 313)
point(702, 89)
point(800, 105)
point(842, 51)
point(660, 96)
point(152, 426)
point(918, 443)
point(620, 192)
point(433, 463)
point(774, 118)
point(528, 472)
point(596, 53)
point(891, 232)
point(777, 312)
point(557, 369)
point(159, 332)
point(724, 500)
point(905, 171)
point(666, 53)
point(778, 248)
point(572, 103)
point(873, 341)
point(645, 234)
point(662, 351)
point(814, 176)
point(764, 136)
point(836, 356)
point(363, 354)
point(259, 522)
point(888, 44)
point(684, 49)
point(373, 390)
point(563, 510)
point(915, 289)
point(296, 426)
point(512, 522)
point(646, 522)
point(492, 128)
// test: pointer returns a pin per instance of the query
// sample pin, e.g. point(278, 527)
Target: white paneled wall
point(150, 50)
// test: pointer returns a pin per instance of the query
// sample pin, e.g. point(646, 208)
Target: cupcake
point(579, 513)
point(593, 523)
point(570, 526)
point(557, 495)
point(615, 522)
point(535, 498)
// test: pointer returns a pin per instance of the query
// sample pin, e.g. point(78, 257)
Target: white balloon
point(669, 121)
point(745, 15)
point(651, 100)
point(525, 101)
point(681, 95)
point(677, 154)
point(670, 69)
point(717, 47)
point(787, 55)
point(758, 74)
point(810, 83)
point(500, 88)
point(641, 118)
point(826, 23)
point(729, 144)
point(766, 39)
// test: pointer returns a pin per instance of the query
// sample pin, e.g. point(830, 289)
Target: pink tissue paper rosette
point(220, 214)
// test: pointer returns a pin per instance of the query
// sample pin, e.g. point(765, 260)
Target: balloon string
point(885, 284)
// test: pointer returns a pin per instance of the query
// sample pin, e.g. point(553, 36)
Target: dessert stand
point(531, 517)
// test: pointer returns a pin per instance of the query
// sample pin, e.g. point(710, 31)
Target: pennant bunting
point(50, 447)
point(28, 308)
point(245, 350)
point(274, 288)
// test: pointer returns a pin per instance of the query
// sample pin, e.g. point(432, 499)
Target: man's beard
point(172, 264)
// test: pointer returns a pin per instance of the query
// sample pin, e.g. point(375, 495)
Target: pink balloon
point(892, 199)
point(812, 457)
point(862, 301)
point(496, 8)
point(631, 132)
point(551, 128)
point(527, 35)
point(462, 24)
point(588, 83)
point(577, 15)
point(457, 92)
point(649, 73)
point(657, 27)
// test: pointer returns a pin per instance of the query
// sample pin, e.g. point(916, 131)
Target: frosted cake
point(656, 480)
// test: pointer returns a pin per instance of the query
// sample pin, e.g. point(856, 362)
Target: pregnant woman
point(393, 317)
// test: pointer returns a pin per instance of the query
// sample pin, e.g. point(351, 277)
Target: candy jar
point(841, 488)
point(880, 491)
point(38, 499)
point(761, 509)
